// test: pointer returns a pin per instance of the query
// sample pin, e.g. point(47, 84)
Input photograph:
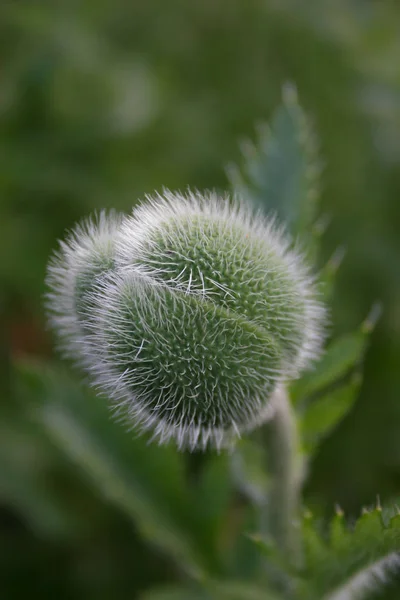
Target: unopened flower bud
point(198, 312)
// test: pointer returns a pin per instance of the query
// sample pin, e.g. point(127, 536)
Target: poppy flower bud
point(196, 314)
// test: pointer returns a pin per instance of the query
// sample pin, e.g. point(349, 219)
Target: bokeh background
point(103, 101)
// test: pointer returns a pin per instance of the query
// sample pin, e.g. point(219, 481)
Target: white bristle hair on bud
point(81, 251)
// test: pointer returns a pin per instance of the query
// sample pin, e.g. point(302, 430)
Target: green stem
point(280, 517)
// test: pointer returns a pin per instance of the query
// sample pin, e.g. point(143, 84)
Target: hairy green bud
point(183, 367)
point(196, 314)
point(76, 267)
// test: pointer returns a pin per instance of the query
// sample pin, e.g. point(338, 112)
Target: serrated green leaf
point(323, 414)
point(315, 547)
point(348, 562)
point(394, 522)
point(368, 526)
point(145, 482)
point(338, 534)
point(369, 581)
point(341, 356)
point(280, 173)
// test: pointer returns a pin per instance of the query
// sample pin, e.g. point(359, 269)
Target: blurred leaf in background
point(101, 102)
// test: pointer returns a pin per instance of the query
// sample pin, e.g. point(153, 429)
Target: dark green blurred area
point(102, 102)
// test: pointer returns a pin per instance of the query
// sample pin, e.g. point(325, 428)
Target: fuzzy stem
point(280, 518)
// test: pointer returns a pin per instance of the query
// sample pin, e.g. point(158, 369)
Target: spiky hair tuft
point(87, 253)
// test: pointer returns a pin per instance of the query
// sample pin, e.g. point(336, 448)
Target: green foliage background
point(101, 102)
